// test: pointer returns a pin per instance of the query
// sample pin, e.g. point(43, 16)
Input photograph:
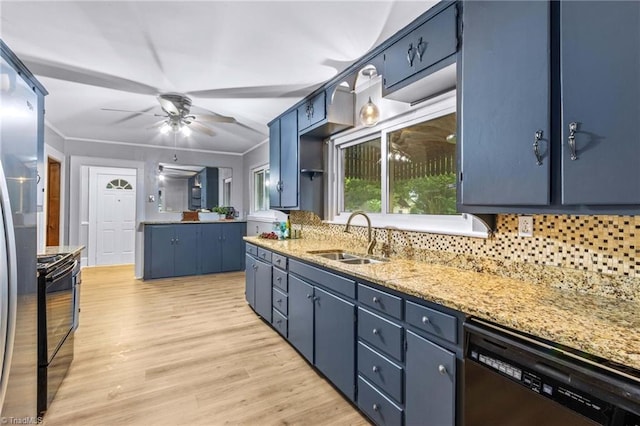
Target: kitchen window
point(402, 172)
point(260, 192)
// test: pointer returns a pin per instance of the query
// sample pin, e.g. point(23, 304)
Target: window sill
point(465, 225)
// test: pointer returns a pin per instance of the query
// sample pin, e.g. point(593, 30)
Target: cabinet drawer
point(432, 321)
point(280, 301)
point(378, 407)
point(380, 333)
point(264, 254)
point(279, 260)
point(381, 301)
point(279, 322)
point(333, 282)
point(380, 371)
point(280, 279)
point(251, 249)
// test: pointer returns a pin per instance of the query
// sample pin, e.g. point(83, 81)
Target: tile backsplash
point(598, 254)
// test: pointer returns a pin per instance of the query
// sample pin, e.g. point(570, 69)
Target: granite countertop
point(74, 250)
point(178, 222)
point(602, 326)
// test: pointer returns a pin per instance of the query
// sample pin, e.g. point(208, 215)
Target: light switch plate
point(525, 226)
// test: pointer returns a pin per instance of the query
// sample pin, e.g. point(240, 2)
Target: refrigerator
point(21, 141)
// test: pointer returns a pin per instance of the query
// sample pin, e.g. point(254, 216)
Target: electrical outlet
point(525, 226)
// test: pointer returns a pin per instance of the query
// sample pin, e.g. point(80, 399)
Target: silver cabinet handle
point(279, 321)
point(376, 407)
point(279, 301)
point(442, 369)
point(308, 296)
point(173, 241)
point(375, 299)
point(536, 147)
point(573, 127)
point(425, 319)
point(420, 48)
point(411, 54)
point(316, 298)
point(279, 279)
point(375, 369)
point(278, 261)
point(375, 331)
point(177, 241)
point(255, 267)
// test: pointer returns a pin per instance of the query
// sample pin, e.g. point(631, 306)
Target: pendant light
point(369, 113)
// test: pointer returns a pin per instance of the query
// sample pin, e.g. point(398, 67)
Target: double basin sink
point(346, 257)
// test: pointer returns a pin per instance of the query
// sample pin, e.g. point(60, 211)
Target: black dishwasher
point(515, 379)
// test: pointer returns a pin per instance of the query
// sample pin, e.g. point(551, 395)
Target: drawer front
point(264, 254)
point(280, 301)
point(380, 371)
point(432, 321)
point(279, 322)
point(331, 281)
point(279, 260)
point(280, 279)
point(379, 408)
point(251, 249)
point(380, 333)
point(381, 301)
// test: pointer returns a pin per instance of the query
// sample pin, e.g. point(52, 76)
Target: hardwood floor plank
point(185, 351)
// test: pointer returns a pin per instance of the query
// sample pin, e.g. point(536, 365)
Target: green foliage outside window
point(426, 195)
point(361, 194)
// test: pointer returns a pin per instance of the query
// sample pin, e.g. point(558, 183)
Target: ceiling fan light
point(164, 129)
point(369, 114)
point(185, 130)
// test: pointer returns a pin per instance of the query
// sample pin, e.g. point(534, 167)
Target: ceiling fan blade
point(201, 128)
point(249, 92)
point(168, 106)
point(214, 118)
point(133, 114)
point(71, 73)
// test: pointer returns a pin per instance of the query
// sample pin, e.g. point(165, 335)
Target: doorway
point(53, 202)
point(112, 215)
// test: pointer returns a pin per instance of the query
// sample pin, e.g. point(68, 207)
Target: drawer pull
point(425, 319)
point(278, 261)
point(375, 299)
point(376, 407)
point(375, 369)
point(255, 267)
point(279, 301)
point(279, 279)
point(375, 331)
point(279, 321)
point(442, 369)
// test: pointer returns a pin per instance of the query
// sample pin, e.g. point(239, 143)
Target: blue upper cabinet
point(283, 161)
point(425, 49)
point(549, 105)
point(504, 88)
point(600, 80)
point(312, 111)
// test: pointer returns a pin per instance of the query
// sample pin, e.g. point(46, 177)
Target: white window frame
point(461, 224)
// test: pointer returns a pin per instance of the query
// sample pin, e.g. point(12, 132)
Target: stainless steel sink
point(346, 257)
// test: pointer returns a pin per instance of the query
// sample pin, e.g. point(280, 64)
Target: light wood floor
point(185, 351)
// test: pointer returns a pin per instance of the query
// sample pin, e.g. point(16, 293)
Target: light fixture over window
point(369, 113)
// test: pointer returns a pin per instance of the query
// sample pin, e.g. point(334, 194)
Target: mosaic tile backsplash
point(595, 254)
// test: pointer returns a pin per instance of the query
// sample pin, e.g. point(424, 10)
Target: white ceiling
point(120, 54)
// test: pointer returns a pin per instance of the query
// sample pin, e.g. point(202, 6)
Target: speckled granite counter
point(598, 325)
point(62, 250)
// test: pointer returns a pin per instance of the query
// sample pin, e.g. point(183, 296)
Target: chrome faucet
point(371, 239)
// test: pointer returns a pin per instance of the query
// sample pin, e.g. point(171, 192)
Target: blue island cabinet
point(221, 247)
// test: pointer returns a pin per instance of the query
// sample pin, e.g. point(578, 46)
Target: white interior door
point(113, 218)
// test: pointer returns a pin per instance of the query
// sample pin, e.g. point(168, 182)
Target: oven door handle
point(60, 274)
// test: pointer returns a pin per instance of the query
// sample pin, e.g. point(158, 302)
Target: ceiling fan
point(178, 117)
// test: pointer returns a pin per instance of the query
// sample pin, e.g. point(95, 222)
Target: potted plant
point(222, 212)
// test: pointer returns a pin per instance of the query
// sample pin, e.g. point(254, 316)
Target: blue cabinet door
point(430, 378)
point(185, 249)
point(504, 85)
point(250, 281)
point(600, 80)
point(263, 290)
point(274, 164)
point(335, 340)
point(159, 241)
point(289, 169)
point(301, 316)
point(232, 249)
point(211, 247)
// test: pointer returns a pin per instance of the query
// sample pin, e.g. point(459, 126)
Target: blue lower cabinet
point(334, 340)
point(250, 280)
point(430, 383)
point(301, 316)
point(232, 247)
point(379, 408)
point(263, 289)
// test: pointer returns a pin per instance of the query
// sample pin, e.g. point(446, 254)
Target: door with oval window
point(115, 214)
